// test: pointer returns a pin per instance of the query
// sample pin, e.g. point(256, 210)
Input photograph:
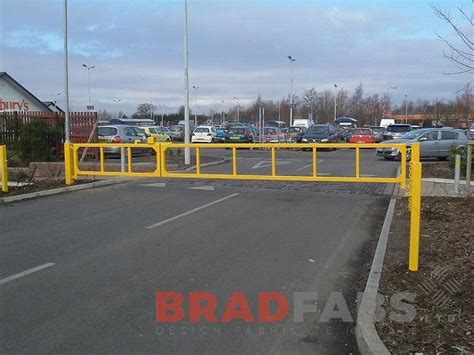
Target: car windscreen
point(414, 134)
point(362, 131)
point(139, 131)
point(318, 129)
point(201, 130)
point(377, 130)
point(398, 129)
point(176, 128)
point(107, 131)
point(295, 130)
point(237, 130)
point(270, 130)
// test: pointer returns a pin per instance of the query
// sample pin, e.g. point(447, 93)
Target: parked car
point(239, 134)
point(470, 131)
point(434, 143)
point(378, 133)
point(344, 133)
point(294, 134)
point(152, 131)
point(321, 133)
point(120, 134)
point(203, 134)
point(272, 135)
point(177, 133)
point(395, 131)
point(220, 134)
point(362, 135)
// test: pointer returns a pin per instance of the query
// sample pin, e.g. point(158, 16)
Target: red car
point(362, 135)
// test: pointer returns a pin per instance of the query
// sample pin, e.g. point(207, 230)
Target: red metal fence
point(82, 123)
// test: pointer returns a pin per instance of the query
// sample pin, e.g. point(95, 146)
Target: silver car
point(434, 143)
point(120, 134)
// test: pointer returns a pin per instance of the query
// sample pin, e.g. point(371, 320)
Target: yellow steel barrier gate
point(3, 167)
point(73, 171)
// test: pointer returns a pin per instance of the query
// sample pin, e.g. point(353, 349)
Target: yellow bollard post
point(198, 161)
point(273, 162)
point(315, 162)
point(357, 162)
point(4, 167)
point(234, 161)
point(68, 164)
point(415, 201)
point(162, 149)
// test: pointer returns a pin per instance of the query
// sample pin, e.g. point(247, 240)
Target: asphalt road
point(104, 254)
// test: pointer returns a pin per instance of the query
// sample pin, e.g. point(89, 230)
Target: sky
point(237, 49)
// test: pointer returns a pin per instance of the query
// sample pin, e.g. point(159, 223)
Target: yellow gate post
point(68, 164)
point(415, 207)
point(3, 167)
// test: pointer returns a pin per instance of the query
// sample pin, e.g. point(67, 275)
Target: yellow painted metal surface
point(4, 167)
point(415, 207)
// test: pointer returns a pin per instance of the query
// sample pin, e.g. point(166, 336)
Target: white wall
point(12, 99)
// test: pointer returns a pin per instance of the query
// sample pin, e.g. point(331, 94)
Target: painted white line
point(367, 175)
point(268, 163)
point(24, 273)
point(156, 184)
point(309, 165)
point(191, 211)
point(202, 188)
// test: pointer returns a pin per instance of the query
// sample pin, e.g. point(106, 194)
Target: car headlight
point(304, 140)
point(324, 140)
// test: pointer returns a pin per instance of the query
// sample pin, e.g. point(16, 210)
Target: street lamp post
point(195, 104)
point(406, 109)
point(238, 108)
point(67, 128)
point(292, 60)
point(222, 112)
point(335, 102)
point(89, 107)
point(187, 150)
point(162, 114)
point(55, 101)
point(116, 101)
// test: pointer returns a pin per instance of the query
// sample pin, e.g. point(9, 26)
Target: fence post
point(469, 166)
point(68, 164)
point(4, 167)
point(415, 205)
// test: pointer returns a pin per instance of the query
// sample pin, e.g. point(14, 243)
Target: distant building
point(15, 97)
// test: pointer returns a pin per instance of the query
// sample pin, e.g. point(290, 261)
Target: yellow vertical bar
point(415, 200)
point(273, 161)
point(4, 167)
point(70, 162)
point(102, 160)
point(315, 162)
point(357, 161)
point(163, 148)
point(129, 159)
point(403, 169)
point(234, 161)
point(158, 157)
point(198, 161)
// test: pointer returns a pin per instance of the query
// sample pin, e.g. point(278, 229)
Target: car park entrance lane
point(99, 297)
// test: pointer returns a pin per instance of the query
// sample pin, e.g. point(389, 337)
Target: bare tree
point(461, 54)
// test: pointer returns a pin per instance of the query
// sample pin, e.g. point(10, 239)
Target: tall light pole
point(55, 101)
point(116, 101)
point(67, 128)
point(187, 150)
point(292, 60)
point(406, 108)
point(388, 96)
point(335, 102)
point(195, 104)
point(222, 112)
point(89, 107)
point(162, 114)
point(238, 108)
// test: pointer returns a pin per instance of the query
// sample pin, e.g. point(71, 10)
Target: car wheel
point(389, 158)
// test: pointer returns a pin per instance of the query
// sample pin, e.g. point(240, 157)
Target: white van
point(385, 122)
point(302, 122)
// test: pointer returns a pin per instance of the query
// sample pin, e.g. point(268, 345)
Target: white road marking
point(24, 273)
point(203, 188)
point(309, 165)
point(367, 175)
point(268, 163)
point(191, 211)
point(155, 184)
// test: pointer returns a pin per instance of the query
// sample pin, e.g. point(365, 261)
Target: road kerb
point(61, 190)
point(368, 340)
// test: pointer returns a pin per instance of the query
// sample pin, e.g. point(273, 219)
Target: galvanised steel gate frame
point(73, 170)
